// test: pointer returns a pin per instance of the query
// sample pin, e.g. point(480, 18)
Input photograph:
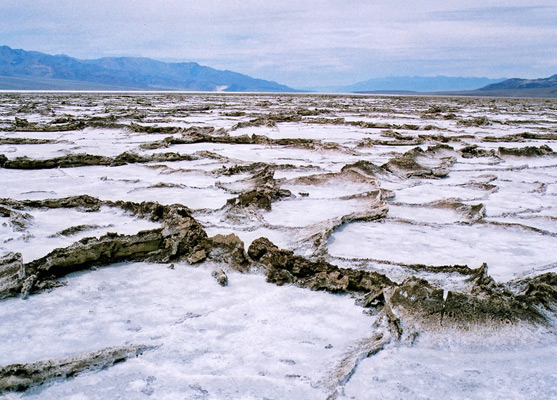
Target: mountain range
point(413, 84)
point(20, 70)
point(31, 70)
point(543, 87)
point(513, 84)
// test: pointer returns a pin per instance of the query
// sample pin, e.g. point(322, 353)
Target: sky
point(300, 43)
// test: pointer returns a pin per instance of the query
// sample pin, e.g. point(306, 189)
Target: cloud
point(298, 43)
point(524, 15)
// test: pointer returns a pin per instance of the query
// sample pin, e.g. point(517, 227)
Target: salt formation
point(276, 246)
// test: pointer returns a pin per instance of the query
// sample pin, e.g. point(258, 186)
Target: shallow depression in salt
point(249, 338)
point(509, 252)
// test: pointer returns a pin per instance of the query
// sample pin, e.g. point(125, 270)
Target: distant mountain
point(422, 84)
point(449, 86)
point(515, 83)
point(407, 84)
point(20, 69)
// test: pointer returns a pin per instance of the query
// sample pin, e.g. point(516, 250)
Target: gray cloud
point(299, 43)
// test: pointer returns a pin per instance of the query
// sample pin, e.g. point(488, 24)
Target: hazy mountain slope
point(34, 83)
point(125, 72)
point(418, 84)
point(515, 83)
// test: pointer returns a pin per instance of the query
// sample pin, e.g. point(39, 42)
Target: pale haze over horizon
point(300, 44)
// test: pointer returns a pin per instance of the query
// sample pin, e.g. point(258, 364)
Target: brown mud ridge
point(309, 117)
point(80, 160)
point(264, 189)
point(521, 137)
point(25, 141)
point(435, 162)
point(528, 151)
point(409, 140)
point(406, 308)
point(532, 300)
point(57, 125)
point(20, 377)
point(69, 123)
point(472, 212)
point(181, 237)
point(194, 135)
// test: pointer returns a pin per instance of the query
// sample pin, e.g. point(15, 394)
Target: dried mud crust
point(528, 151)
point(81, 160)
point(20, 377)
point(193, 137)
point(472, 212)
point(532, 300)
point(264, 191)
point(179, 237)
point(435, 162)
point(402, 309)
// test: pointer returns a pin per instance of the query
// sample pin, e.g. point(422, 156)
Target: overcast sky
point(300, 43)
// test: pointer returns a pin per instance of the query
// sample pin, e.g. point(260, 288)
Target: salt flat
point(414, 252)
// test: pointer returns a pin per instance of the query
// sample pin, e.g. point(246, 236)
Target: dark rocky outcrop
point(365, 168)
point(192, 136)
point(367, 142)
point(541, 290)
point(227, 249)
point(20, 377)
point(240, 169)
point(487, 302)
point(259, 121)
point(153, 128)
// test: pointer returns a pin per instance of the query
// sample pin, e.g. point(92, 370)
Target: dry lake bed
point(258, 246)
